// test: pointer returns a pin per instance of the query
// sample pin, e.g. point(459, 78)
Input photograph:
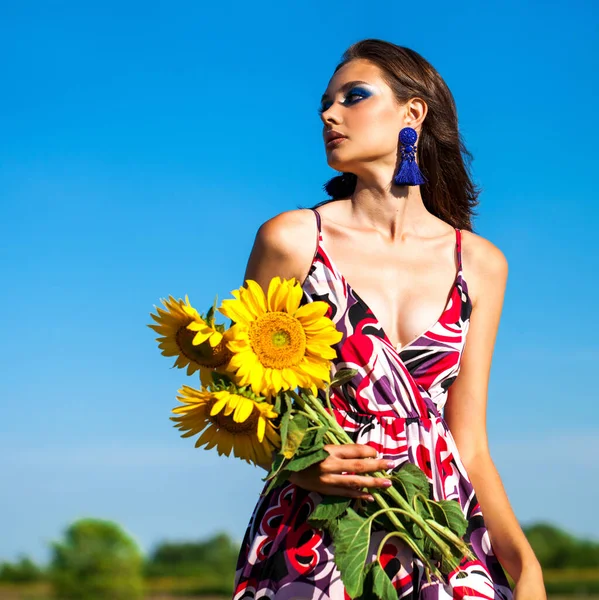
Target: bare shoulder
point(485, 265)
point(282, 232)
point(284, 246)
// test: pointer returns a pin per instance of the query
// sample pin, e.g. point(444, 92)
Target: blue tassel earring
point(409, 173)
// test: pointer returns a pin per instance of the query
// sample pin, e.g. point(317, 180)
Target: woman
point(403, 246)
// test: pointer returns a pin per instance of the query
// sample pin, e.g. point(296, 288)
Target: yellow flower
point(196, 344)
point(276, 343)
point(229, 421)
point(204, 333)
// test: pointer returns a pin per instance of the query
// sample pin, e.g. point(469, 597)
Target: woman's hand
point(338, 474)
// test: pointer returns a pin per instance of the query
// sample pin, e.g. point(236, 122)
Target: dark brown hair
point(442, 155)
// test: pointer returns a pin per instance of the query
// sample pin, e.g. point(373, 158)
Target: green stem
point(313, 428)
point(396, 522)
point(306, 409)
point(318, 408)
point(328, 398)
point(403, 503)
point(452, 537)
point(436, 572)
point(306, 403)
point(303, 412)
point(402, 531)
point(444, 531)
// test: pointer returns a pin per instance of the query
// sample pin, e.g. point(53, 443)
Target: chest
point(407, 289)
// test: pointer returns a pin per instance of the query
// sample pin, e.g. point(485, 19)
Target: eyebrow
point(344, 87)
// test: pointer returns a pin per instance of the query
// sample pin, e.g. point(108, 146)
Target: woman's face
point(361, 106)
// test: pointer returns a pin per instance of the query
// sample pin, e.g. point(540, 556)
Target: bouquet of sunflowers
point(260, 379)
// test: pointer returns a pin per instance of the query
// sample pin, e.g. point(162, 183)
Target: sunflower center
point(203, 354)
point(281, 338)
point(278, 339)
point(226, 422)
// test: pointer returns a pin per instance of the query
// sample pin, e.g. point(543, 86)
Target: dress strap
point(317, 218)
point(458, 245)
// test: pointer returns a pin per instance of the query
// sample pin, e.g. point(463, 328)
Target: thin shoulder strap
point(458, 244)
point(317, 218)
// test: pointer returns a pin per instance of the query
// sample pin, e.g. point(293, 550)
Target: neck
point(393, 210)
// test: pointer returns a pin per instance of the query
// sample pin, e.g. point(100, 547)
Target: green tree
point(24, 570)
point(557, 549)
point(96, 560)
point(216, 555)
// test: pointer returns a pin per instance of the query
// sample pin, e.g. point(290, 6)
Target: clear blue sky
point(141, 147)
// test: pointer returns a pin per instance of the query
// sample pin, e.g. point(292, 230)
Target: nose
point(329, 116)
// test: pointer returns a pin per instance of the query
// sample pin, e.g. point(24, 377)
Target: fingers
point(351, 451)
point(352, 465)
point(339, 473)
point(350, 488)
point(355, 482)
point(353, 458)
point(346, 493)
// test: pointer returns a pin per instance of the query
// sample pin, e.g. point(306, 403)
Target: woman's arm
point(465, 411)
point(284, 246)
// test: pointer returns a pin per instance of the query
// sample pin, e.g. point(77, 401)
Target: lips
point(335, 142)
point(333, 135)
point(333, 138)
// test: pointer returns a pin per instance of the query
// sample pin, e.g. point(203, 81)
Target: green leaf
point(431, 549)
point(416, 530)
point(381, 584)
point(351, 539)
point(294, 435)
point(329, 509)
point(277, 465)
point(314, 439)
point(449, 513)
point(278, 479)
point(210, 314)
point(343, 376)
point(299, 463)
point(368, 587)
point(410, 479)
point(381, 522)
point(284, 427)
point(446, 565)
point(277, 404)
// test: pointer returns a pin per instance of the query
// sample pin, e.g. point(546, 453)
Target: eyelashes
point(322, 109)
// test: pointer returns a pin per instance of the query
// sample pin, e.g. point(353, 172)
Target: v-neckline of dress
point(350, 290)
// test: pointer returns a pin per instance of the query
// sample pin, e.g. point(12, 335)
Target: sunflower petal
point(272, 295)
point(243, 411)
point(294, 297)
point(261, 429)
point(311, 311)
point(255, 294)
point(218, 406)
point(237, 311)
point(215, 338)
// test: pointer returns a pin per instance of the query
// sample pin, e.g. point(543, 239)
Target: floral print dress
point(393, 404)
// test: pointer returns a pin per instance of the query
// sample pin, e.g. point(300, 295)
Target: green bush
point(96, 561)
point(573, 588)
point(25, 570)
point(556, 549)
point(214, 557)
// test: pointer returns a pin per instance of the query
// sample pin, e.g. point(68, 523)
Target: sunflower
point(276, 343)
point(229, 421)
point(205, 332)
point(197, 344)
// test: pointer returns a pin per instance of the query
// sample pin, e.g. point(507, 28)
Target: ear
point(415, 112)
